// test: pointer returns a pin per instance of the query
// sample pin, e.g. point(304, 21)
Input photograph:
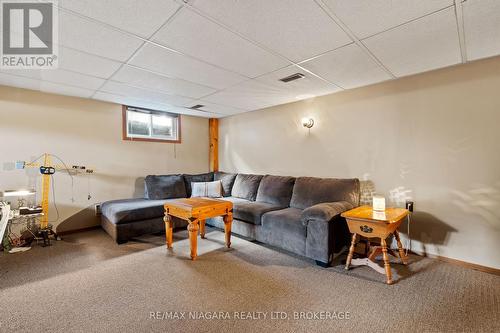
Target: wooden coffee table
point(365, 222)
point(195, 211)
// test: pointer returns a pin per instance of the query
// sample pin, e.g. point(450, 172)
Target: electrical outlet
point(409, 206)
point(97, 209)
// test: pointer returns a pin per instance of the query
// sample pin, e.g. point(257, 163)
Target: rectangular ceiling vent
point(197, 107)
point(292, 77)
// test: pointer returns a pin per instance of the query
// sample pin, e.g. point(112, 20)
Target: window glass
point(163, 126)
point(138, 123)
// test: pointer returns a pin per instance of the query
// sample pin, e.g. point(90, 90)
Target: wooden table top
point(196, 203)
point(390, 215)
point(198, 208)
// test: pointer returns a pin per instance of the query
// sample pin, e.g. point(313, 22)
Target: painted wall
point(433, 137)
point(87, 132)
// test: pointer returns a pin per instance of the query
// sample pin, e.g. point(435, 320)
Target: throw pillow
point(207, 189)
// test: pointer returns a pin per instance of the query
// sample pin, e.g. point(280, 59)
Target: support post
point(44, 221)
point(213, 125)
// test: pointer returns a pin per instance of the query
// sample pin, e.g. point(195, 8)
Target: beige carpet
point(87, 283)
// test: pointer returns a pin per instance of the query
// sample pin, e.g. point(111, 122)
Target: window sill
point(151, 140)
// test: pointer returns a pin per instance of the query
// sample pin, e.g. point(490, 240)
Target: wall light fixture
point(307, 122)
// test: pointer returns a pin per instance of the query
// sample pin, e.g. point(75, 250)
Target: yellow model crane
point(47, 165)
point(47, 169)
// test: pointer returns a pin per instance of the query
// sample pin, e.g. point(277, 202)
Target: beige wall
point(433, 137)
point(87, 132)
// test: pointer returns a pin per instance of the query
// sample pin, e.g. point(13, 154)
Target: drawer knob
point(366, 229)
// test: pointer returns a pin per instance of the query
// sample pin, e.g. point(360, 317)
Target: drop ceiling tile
point(349, 67)
point(482, 26)
point(127, 100)
point(140, 93)
point(297, 29)
point(199, 37)
point(87, 36)
point(368, 17)
point(217, 108)
point(141, 17)
point(422, 45)
point(176, 65)
point(148, 80)
point(44, 86)
point(59, 76)
point(66, 90)
point(19, 82)
point(306, 87)
point(251, 95)
point(195, 113)
point(108, 97)
point(86, 63)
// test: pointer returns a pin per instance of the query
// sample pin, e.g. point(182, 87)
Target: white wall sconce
point(307, 122)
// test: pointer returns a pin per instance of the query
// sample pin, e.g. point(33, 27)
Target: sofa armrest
point(324, 211)
point(325, 238)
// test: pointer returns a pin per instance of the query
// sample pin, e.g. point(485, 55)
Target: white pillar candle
point(378, 203)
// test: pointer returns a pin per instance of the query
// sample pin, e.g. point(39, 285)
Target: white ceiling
point(229, 55)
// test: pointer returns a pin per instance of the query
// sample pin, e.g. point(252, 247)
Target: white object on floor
point(5, 208)
point(19, 249)
point(367, 262)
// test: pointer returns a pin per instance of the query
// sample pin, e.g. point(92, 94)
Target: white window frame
point(176, 138)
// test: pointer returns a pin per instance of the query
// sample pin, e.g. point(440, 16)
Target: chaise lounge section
point(300, 215)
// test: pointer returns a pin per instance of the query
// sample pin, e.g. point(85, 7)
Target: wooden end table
point(195, 211)
point(366, 222)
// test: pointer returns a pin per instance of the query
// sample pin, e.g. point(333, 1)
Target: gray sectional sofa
point(300, 215)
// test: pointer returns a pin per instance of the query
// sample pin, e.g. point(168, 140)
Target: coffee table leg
point(351, 251)
point(168, 230)
point(193, 237)
point(400, 248)
point(202, 228)
point(387, 266)
point(228, 220)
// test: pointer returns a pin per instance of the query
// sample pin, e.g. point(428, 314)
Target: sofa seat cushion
point(284, 229)
point(245, 186)
point(235, 200)
point(276, 190)
point(131, 210)
point(164, 187)
point(252, 211)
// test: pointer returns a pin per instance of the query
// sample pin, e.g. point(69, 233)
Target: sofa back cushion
point(165, 187)
point(245, 186)
point(276, 190)
point(199, 178)
point(227, 180)
point(309, 191)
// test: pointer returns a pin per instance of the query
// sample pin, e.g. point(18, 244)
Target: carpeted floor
point(87, 283)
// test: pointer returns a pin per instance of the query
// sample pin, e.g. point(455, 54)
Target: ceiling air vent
point(197, 107)
point(292, 77)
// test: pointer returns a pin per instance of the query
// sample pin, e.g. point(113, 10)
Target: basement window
point(150, 125)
